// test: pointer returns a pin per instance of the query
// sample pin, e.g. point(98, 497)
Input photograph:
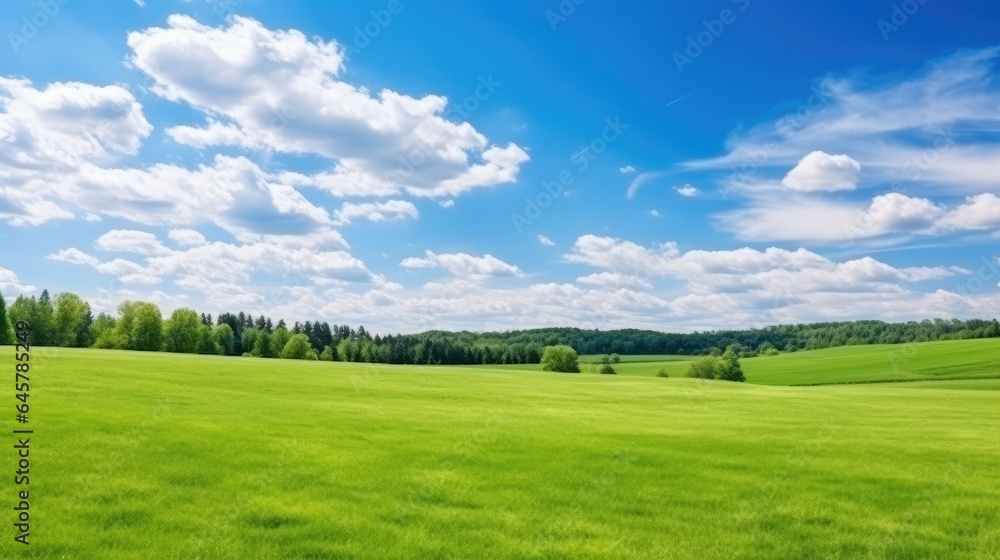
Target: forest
point(67, 320)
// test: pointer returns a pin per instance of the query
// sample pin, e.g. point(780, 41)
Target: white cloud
point(687, 191)
point(820, 171)
point(10, 284)
point(627, 170)
point(375, 212)
point(73, 256)
point(187, 237)
point(447, 203)
point(979, 212)
point(614, 280)
point(130, 241)
point(746, 270)
point(281, 91)
point(654, 213)
point(463, 264)
point(545, 241)
point(892, 213)
point(926, 127)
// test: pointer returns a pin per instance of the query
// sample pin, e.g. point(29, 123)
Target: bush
point(608, 370)
point(560, 358)
point(729, 368)
point(705, 368)
point(662, 373)
point(615, 358)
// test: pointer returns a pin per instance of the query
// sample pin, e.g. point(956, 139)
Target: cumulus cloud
point(820, 171)
point(626, 170)
point(746, 270)
point(187, 237)
point(545, 241)
point(73, 256)
point(463, 264)
point(892, 213)
point(130, 241)
point(282, 91)
point(11, 285)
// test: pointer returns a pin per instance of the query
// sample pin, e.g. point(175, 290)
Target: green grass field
point(151, 456)
point(963, 359)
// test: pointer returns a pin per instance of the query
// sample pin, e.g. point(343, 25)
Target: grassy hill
point(142, 455)
point(959, 359)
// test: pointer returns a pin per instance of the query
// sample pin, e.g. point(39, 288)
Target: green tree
point(298, 347)
point(70, 313)
point(206, 340)
point(35, 312)
point(224, 337)
point(729, 367)
point(6, 329)
point(103, 332)
point(249, 340)
point(83, 338)
point(615, 358)
point(139, 326)
point(705, 368)
point(327, 354)
point(182, 332)
point(606, 369)
point(264, 346)
point(279, 339)
point(560, 358)
point(43, 329)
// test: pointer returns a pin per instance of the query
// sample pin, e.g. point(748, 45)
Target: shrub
point(729, 368)
point(608, 370)
point(705, 368)
point(615, 358)
point(662, 373)
point(560, 358)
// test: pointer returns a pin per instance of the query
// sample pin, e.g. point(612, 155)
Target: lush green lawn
point(171, 456)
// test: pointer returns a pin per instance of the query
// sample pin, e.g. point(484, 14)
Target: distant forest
point(68, 321)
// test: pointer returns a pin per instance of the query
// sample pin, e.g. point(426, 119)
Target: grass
point(142, 455)
point(959, 359)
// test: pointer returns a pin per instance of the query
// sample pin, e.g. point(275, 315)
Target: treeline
point(67, 320)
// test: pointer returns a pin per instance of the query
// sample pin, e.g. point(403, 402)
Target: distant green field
point(151, 456)
point(959, 359)
point(596, 358)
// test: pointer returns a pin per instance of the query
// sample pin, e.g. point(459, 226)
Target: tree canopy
point(560, 358)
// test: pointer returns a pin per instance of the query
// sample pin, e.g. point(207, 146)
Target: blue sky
point(414, 164)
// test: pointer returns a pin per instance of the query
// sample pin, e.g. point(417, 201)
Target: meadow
point(960, 359)
point(155, 455)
